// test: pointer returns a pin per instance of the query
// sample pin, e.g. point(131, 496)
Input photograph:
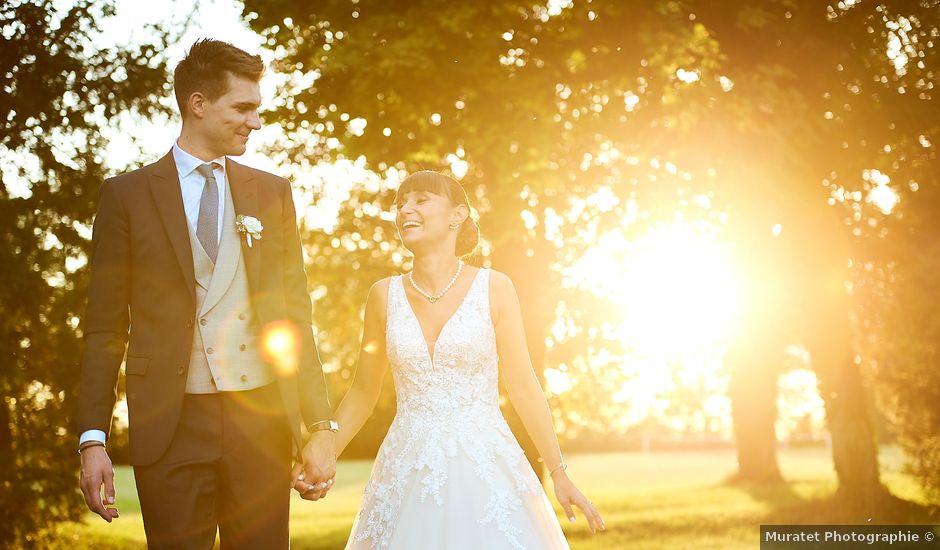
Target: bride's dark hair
point(468, 236)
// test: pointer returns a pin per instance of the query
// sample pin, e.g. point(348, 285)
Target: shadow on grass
point(787, 506)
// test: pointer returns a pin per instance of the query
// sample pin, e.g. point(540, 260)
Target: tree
point(58, 95)
point(869, 111)
point(894, 275)
point(766, 110)
point(901, 293)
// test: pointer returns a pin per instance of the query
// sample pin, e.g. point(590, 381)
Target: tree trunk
point(753, 395)
point(756, 347)
point(848, 413)
point(829, 336)
point(7, 477)
point(854, 450)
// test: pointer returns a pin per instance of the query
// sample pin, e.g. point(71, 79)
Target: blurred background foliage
point(774, 129)
point(58, 94)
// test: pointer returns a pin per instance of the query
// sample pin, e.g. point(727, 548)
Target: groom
point(196, 267)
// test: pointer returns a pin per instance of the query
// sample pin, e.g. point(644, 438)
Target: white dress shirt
point(191, 185)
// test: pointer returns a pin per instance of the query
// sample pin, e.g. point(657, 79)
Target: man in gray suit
point(195, 259)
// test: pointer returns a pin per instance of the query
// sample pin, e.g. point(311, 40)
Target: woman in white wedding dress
point(450, 474)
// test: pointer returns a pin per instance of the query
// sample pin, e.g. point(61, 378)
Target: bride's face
point(423, 218)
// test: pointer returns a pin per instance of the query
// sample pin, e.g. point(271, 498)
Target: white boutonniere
point(249, 226)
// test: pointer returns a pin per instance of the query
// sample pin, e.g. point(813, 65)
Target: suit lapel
point(165, 187)
point(244, 191)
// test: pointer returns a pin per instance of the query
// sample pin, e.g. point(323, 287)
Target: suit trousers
point(227, 468)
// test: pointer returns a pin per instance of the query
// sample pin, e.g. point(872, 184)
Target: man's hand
point(96, 469)
point(313, 478)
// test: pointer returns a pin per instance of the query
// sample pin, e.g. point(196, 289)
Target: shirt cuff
point(92, 435)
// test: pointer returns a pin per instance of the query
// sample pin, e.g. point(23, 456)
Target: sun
point(675, 288)
point(675, 299)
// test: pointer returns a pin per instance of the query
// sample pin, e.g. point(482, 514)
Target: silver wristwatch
point(323, 425)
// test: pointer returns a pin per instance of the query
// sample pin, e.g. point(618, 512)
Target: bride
point(450, 474)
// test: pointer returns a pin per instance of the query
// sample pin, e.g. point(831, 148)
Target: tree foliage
point(775, 113)
point(59, 91)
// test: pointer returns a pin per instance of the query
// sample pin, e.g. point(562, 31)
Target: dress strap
point(485, 280)
point(480, 291)
point(395, 290)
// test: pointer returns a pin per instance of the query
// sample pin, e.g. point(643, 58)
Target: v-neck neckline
point(429, 349)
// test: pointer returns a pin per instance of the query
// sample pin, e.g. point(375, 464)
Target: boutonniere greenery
point(248, 226)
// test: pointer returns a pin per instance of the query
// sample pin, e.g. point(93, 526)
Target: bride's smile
point(425, 219)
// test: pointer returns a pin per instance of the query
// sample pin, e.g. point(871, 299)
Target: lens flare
point(280, 346)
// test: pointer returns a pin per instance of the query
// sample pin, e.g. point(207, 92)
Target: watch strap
point(323, 425)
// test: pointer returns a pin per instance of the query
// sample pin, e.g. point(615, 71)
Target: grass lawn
point(661, 500)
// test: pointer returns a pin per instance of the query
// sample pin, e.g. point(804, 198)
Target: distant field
point(649, 501)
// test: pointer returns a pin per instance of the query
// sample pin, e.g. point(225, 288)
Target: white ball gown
point(450, 474)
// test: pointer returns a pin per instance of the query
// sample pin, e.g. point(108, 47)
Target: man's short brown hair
point(205, 69)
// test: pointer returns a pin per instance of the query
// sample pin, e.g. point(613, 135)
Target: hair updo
point(468, 236)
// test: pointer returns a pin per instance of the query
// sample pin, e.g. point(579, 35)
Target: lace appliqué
point(445, 407)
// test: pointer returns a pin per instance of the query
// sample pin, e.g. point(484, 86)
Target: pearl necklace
point(437, 297)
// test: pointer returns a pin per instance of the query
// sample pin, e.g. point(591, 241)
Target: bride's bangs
point(432, 182)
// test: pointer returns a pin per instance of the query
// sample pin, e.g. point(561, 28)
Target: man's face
point(227, 121)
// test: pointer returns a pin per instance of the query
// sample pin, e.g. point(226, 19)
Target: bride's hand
point(567, 494)
point(313, 477)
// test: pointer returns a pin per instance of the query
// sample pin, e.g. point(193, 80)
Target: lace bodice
point(462, 379)
point(446, 406)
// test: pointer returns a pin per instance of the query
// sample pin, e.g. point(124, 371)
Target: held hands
point(567, 494)
point(314, 476)
point(96, 469)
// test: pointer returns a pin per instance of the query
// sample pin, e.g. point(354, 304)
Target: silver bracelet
point(563, 466)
